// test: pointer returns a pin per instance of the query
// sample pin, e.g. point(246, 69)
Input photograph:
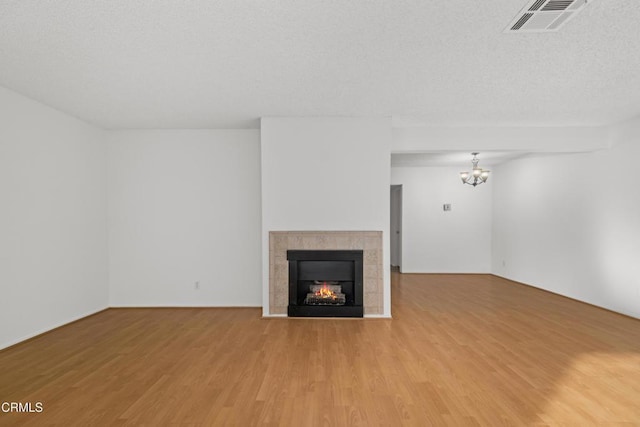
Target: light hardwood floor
point(461, 350)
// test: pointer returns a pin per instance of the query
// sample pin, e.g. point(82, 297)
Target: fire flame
point(325, 292)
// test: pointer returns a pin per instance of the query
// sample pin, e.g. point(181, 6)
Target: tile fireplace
point(369, 243)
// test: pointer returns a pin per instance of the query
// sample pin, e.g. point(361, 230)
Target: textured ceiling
point(225, 63)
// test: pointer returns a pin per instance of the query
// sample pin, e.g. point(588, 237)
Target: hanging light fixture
point(477, 176)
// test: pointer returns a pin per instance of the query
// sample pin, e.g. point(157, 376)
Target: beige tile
point(280, 258)
point(308, 242)
point(341, 241)
point(281, 286)
point(281, 300)
point(376, 310)
point(281, 243)
point(371, 298)
point(332, 242)
point(372, 243)
point(278, 310)
point(322, 241)
point(370, 285)
point(356, 242)
point(295, 241)
point(371, 256)
point(371, 271)
point(281, 272)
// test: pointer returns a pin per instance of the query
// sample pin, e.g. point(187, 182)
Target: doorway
point(396, 227)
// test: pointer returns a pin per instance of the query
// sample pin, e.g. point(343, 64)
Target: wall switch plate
point(446, 207)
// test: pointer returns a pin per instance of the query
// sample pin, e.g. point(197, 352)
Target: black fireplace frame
point(351, 260)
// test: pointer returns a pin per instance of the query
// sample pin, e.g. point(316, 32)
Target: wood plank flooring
point(461, 350)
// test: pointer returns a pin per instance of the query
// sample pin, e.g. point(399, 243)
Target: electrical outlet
point(446, 207)
point(197, 285)
point(504, 263)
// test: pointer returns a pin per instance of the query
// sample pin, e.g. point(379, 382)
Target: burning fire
point(325, 292)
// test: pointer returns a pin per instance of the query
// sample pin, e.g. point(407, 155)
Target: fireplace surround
point(325, 283)
point(370, 242)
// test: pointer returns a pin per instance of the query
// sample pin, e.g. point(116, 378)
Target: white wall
point(325, 174)
point(536, 139)
point(53, 242)
point(435, 241)
point(184, 207)
point(570, 224)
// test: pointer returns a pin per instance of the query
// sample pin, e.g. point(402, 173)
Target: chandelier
point(477, 176)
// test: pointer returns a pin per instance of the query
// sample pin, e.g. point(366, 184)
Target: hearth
point(325, 283)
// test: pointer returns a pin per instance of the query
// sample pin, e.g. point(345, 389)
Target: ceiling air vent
point(541, 16)
point(523, 20)
point(557, 5)
point(537, 5)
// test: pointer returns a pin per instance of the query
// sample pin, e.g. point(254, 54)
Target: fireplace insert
point(325, 283)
